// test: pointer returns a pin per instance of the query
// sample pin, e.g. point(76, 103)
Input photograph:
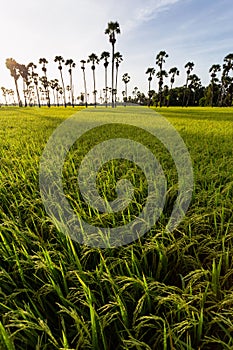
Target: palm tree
point(118, 59)
point(112, 29)
point(161, 75)
point(45, 83)
point(84, 80)
point(173, 71)
point(61, 60)
point(126, 80)
point(11, 93)
point(24, 72)
point(134, 93)
point(229, 62)
point(227, 80)
point(160, 60)
point(213, 70)
point(71, 65)
point(13, 66)
point(194, 85)
point(4, 94)
point(68, 88)
point(54, 85)
point(104, 56)
point(151, 72)
point(59, 91)
point(94, 60)
point(31, 66)
point(189, 67)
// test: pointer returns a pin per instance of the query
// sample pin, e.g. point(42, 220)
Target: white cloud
point(146, 11)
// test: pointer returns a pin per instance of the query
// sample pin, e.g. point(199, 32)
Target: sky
point(188, 30)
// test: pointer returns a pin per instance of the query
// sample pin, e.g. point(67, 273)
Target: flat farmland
point(165, 290)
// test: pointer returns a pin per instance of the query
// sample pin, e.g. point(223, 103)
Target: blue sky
point(188, 30)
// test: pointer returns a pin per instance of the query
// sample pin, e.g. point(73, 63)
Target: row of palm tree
point(28, 72)
point(222, 88)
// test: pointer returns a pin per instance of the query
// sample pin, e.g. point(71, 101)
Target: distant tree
point(126, 80)
point(214, 69)
point(61, 60)
point(54, 85)
point(194, 86)
point(24, 72)
point(68, 88)
point(134, 93)
point(113, 29)
point(93, 59)
point(70, 63)
point(189, 66)
point(84, 80)
point(227, 84)
point(228, 59)
point(118, 59)
point(13, 66)
point(161, 75)
point(104, 56)
point(31, 69)
point(5, 94)
point(160, 60)
point(82, 97)
point(173, 71)
point(45, 83)
point(11, 94)
point(151, 72)
point(59, 93)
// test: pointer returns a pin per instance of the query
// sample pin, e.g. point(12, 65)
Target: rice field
point(165, 290)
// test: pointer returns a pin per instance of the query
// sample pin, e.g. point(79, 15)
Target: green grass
point(164, 291)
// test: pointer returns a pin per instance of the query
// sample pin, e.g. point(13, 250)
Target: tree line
point(39, 90)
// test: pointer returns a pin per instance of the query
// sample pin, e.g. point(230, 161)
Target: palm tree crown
point(112, 29)
point(104, 56)
point(160, 58)
point(93, 58)
point(173, 71)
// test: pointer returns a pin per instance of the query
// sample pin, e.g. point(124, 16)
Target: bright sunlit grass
point(164, 291)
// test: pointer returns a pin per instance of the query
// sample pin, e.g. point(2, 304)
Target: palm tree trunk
point(188, 98)
point(85, 87)
point(116, 85)
point(168, 101)
point(184, 95)
point(17, 92)
point(125, 93)
point(71, 90)
point(149, 94)
point(38, 96)
point(94, 88)
point(54, 98)
point(24, 94)
point(57, 98)
point(48, 97)
point(160, 92)
point(63, 87)
point(106, 86)
point(113, 52)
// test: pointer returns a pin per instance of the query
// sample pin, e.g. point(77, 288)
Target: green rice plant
point(163, 291)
